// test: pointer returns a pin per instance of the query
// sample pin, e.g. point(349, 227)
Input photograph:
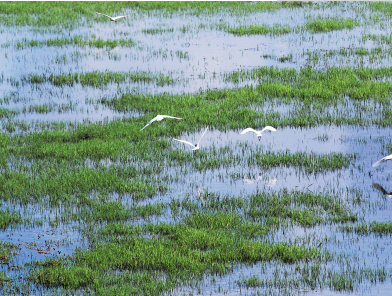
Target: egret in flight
point(113, 19)
point(196, 147)
point(258, 133)
point(158, 118)
point(389, 157)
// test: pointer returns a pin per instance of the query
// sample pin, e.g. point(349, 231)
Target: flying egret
point(258, 133)
point(389, 157)
point(159, 118)
point(196, 147)
point(379, 187)
point(113, 19)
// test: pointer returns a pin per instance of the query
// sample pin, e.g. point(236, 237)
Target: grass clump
point(8, 219)
point(97, 78)
point(324, 86)
point(77, 41)
point(6, 250)
point(156, 31)
point(276, 29)
point(3, 277)
point(309, 162)
point(8, 113)
point(115, 211)
point(377, 228)
point(303, 208)
point(284, 59)
point(250, 282)
point(204, 243)
point(59, 183)
point(327, 25)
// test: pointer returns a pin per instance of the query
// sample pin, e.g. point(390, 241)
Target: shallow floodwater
point(197, 58)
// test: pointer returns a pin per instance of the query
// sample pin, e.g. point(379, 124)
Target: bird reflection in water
point(268, 182)
point(380, 188)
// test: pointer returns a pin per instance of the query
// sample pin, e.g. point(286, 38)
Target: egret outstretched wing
point(151, 121)
point(118, 17)
point(112, 18)
point(103, 14)
point(167, 116)
point(159, 118)
point(248, 130)
point(389, 157)
point(202, 135)
point(186, 142)
point(268, 128)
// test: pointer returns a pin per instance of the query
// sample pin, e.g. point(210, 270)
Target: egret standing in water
point(113, 19)
point(258, 133)
point(389, 157)
point(196, 147)
point(158, 118)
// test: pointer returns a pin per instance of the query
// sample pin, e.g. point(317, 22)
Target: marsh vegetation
point(92, 205)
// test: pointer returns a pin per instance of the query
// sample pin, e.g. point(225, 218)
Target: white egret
point(258, 133)
point(159, 118)
point(113, 19)
point(200, 192)
point(196, 147)
point(389, 157)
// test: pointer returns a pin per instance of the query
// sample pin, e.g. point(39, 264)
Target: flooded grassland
point(92, 205)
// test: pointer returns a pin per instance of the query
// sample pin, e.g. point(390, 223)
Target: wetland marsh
point(91, 205)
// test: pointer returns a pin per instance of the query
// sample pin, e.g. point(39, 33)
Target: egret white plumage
point(389, 157)
point(259, 133)
point(113, 19)
point(196, 147)
point(159, 118)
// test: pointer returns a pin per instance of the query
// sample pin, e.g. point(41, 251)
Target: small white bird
point(196, 147)
point(113, 19)
point(158, 118)
point(258, 133)
point(389, 157)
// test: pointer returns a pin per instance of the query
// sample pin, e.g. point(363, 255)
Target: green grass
point(6, 250)
point(156, 31)
point(97, 78)
point(47, 108)
point(327, 25)
point(176, 254)
point(284, 59)
point(60, 182)
point(276, 29)
point(3, 278)
point(70, 14)
point(106, 179)
point(321, 85)
point(377, 228)
point(76, 40)
point(8, 219)
point(384, 7)
point(8, 113)
point(305, 209)
point(201, 244)
point(308, 161)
